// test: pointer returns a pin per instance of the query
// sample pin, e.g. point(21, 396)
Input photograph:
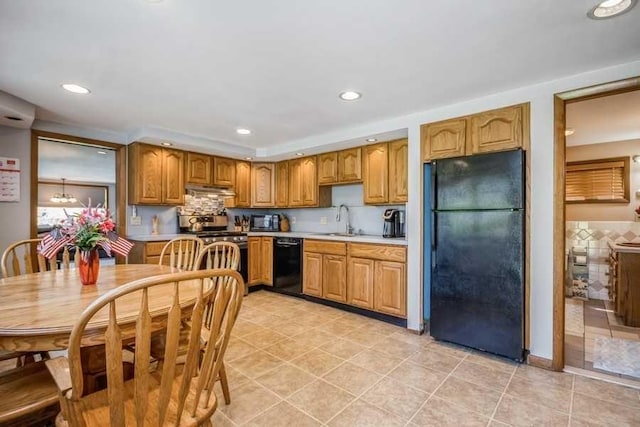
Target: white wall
point(14, 217)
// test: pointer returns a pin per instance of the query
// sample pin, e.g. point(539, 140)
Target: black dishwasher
point(287, 265)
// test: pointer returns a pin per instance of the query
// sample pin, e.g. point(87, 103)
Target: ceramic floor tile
point(321, 400)
point(607, 391)
point(431, 358)
point(363, 414)
point(342, 348)
point(238, 348)
point(221, 420)
point(482, 375)
point(558, 379)
point(590, 409)
point(396, 348)
point(518, 412)
point(317, 362)
point(314, 338)
point(417, 376)
point(288, 349)
point(544, 394)
point(395, 397)
point(450, 349)
point(339, 328)
point(283, 415)
point(491, 361)
point(285, 380)
point(352, 378)
point(470, 396)
point(264, 339)
point(256, 364)
point(248, 401)
point(375, 361)
point(437, 412)
point(365, 337)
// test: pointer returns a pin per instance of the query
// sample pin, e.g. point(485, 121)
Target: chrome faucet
point(349, 229)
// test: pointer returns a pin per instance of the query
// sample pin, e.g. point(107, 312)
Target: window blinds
point(597, 180)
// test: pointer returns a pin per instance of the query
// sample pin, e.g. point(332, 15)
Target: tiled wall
point(595, 235)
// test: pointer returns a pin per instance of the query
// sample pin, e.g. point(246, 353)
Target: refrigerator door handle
point(434, 240)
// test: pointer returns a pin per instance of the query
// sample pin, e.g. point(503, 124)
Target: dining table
point(38, 311)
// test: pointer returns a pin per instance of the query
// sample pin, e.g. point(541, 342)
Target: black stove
point(211, 236)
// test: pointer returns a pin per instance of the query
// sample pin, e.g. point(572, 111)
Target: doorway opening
point(68, 173)
point(596, 198)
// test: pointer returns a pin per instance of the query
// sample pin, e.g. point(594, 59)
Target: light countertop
point(363, 238)
point(155, 237)
point(626, 249)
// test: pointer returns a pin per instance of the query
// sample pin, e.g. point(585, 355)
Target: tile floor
point(591, 319)
point(296, 363)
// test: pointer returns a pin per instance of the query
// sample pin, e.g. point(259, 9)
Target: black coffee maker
point(390, 217)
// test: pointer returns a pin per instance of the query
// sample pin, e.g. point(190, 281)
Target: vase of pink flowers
point(87, 231)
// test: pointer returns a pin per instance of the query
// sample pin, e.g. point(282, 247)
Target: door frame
point(560, 100)
point(121, 178)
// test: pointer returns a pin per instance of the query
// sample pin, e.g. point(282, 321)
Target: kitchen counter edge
point(314, 236)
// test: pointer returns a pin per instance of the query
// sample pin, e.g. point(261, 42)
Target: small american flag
point(121, 246)
point(51, 245)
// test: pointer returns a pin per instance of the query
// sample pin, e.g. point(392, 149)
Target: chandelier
point(63, 197)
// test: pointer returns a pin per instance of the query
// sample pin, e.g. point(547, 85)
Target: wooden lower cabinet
point(312, 274)
point(360, 282)
point(334, 275)
point(390, 288)
point(146, 252)
point(260, 261)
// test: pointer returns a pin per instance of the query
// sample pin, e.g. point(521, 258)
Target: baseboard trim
point(540, 362)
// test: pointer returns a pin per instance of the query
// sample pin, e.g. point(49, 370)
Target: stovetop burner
point(218, 233)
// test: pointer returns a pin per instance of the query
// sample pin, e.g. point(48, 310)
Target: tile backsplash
point(595, 236)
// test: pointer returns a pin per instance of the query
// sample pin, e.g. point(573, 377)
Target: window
point(598, 181)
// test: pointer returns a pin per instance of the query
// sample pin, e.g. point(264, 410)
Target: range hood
point(208, 191)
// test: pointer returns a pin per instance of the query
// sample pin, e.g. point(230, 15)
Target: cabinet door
point(254, 260)
point(334, 277)
point(224, 172)
point(312, 274)
point(309, 182)
point(350, 165)
point(173, 177)
point(444, 139)
point(496, 130)
point(282, 184)
point(243, 184)
point(390, 288)
point(145, 174)
point(376, 173)
point(295, 182)
point(266, 261)
point(360, 282)
point(199, 168)
point(398, 175)
point(328, 168)
point(263, 185)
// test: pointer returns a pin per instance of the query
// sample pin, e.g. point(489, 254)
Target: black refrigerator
point(477, 277)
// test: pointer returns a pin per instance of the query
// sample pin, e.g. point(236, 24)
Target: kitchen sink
point(338, 234)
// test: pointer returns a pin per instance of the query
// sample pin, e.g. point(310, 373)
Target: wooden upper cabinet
point(398, 174)
point(390, 288)
point(375, 178)
point(360, 281)
point(266, 260)
point(309, 181)
point(224, 172)
point(282, 184)
point(156, 175)
point(295, 182)
point(444, 139)
point(350, 165)
point(334, 275)
point(328, 168)
point(263, 185)
point(199, 169)
point(173, 177)
point(243, 184)
point(496, 130)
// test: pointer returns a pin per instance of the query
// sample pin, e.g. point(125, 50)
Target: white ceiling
point(201, 68)
point(607, 119)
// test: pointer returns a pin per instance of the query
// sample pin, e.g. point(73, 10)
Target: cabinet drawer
point(381, 252)
point(155, 259)
point(154, 248)
point(323, 247)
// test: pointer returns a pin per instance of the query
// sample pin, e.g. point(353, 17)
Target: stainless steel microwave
point(265, 223)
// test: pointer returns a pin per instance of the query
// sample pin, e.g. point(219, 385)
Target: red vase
point(89, 267)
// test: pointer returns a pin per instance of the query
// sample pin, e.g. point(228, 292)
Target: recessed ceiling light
point(299, 154)
point(350, 95)
point(101, 152)
point(371, 139)
point(636, 158)
point(14, 118)
point(248, 158)
point(610, 8)
point(243, 131)
point(72, 87)
point(166, 144)
point(569, 131)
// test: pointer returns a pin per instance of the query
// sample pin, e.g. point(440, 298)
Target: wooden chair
point(218, 255)
point(173, 394)
point(181, 252)
point(22, 257)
